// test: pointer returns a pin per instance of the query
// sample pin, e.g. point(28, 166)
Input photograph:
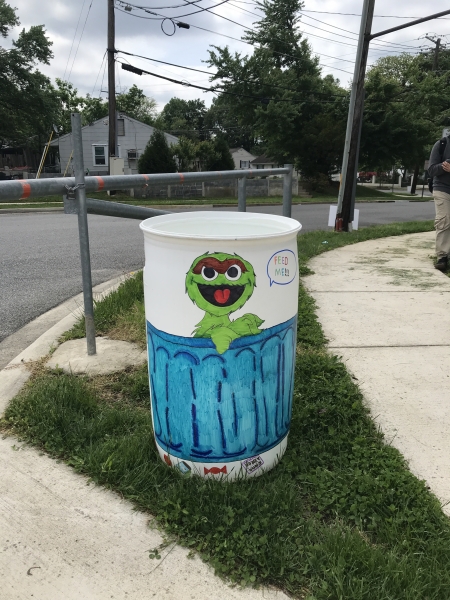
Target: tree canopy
point(27, 100)
point(184, 118)
point(281, 100)
point(406, 107)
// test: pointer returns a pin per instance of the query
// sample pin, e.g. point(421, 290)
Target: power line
point(315, 27)
point(327, 12)
point(215, 90)
point(98, 74)
point(216, 75)
point(73, 40)
point(240, 40)
point(79, 41)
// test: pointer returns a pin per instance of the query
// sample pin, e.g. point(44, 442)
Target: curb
point(16, 373)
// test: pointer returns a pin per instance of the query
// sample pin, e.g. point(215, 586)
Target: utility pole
point(437, 43)
point(112, 147)
point(347, 188)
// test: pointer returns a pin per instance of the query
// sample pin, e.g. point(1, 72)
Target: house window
point(120, 126)
point(245, 164)
point(100, 155)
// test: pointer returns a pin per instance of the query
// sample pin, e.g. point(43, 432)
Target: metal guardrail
point(21, 189)
point(112, 209)
point(74, 190)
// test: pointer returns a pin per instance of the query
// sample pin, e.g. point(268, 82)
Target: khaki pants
point(442, 223)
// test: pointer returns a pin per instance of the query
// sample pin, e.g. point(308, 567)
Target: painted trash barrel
point(221, 300)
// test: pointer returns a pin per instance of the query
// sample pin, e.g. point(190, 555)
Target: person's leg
point(442, 226)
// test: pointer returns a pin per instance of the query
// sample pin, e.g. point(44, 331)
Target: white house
point(133, 137)
point(264, 162)
point(242, 158)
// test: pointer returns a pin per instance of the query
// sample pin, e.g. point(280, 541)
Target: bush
point(157, 156)
point(319, 183)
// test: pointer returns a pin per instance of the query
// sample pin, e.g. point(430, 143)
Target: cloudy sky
point(78, 30)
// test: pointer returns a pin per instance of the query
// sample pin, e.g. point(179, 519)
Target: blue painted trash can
point(221, 296)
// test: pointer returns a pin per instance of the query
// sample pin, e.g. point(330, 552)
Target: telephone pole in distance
point(112, 146)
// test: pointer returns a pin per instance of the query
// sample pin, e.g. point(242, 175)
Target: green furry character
point(220, 284)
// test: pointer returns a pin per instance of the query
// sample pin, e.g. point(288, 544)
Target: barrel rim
point(149, 226)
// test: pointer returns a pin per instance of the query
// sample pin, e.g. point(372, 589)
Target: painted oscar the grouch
point(221, 284)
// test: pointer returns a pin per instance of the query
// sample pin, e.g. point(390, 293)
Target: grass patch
point(119, 313)
point(341, 517)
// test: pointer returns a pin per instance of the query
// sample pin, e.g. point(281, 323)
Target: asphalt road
point(40, 264)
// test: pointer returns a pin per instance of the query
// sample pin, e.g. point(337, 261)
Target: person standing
point(439, 170)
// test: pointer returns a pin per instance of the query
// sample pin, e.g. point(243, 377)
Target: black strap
point(442, 146)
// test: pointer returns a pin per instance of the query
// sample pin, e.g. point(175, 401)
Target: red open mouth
point(221, 296)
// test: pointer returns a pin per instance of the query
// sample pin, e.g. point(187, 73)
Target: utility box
point(116, 165)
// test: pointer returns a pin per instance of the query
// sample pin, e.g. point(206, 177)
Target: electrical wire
point(327, 12)
point(236, 39)
point(326, 31)
point(215, 74)
point(73, 40)
point(146, 9)
point(98, 74)
point(215, 90)
point(79, 41)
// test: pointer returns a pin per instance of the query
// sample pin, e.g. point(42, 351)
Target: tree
point(68, 102)
point(27, 99)
point(137, 105)
point(279, 92)
point(184, 117)
point(406, 107)
point(222, 119)
point(220, 158)
point(133, 103)
point(157, 156)
point(186, 152)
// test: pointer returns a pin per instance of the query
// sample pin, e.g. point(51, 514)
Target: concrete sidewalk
point(386, 311)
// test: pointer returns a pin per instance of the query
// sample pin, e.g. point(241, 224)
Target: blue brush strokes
point(213, 407)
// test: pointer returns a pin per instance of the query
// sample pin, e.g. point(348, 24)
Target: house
point(241, 158)
point(264, 162)
point(132, 136)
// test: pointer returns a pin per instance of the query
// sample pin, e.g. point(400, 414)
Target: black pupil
point(209, 273)
point(233, 272)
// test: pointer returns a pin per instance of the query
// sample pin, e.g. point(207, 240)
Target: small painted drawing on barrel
point(252, 464)
point(282, 267)
point(220, 284)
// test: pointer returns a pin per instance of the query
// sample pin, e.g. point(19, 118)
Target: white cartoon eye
point(209, 273)
point(233, 273)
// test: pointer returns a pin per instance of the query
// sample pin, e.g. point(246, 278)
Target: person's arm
point(436, 166)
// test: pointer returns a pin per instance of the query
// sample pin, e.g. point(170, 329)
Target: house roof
point(264, 160)
point(54, 142)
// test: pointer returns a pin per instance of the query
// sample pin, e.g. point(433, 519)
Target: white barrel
point(221, 301)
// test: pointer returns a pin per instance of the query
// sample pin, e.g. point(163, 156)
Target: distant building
point(132, 135)
point(264, 162)
point(241, 158)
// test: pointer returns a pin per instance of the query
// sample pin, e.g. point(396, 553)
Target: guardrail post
point(242, 194)
point(80, 195)
point(287, 191)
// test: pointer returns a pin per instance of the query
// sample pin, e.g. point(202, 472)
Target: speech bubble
point(282, 267)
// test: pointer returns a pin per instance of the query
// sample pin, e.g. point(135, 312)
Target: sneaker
point(441, 264)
